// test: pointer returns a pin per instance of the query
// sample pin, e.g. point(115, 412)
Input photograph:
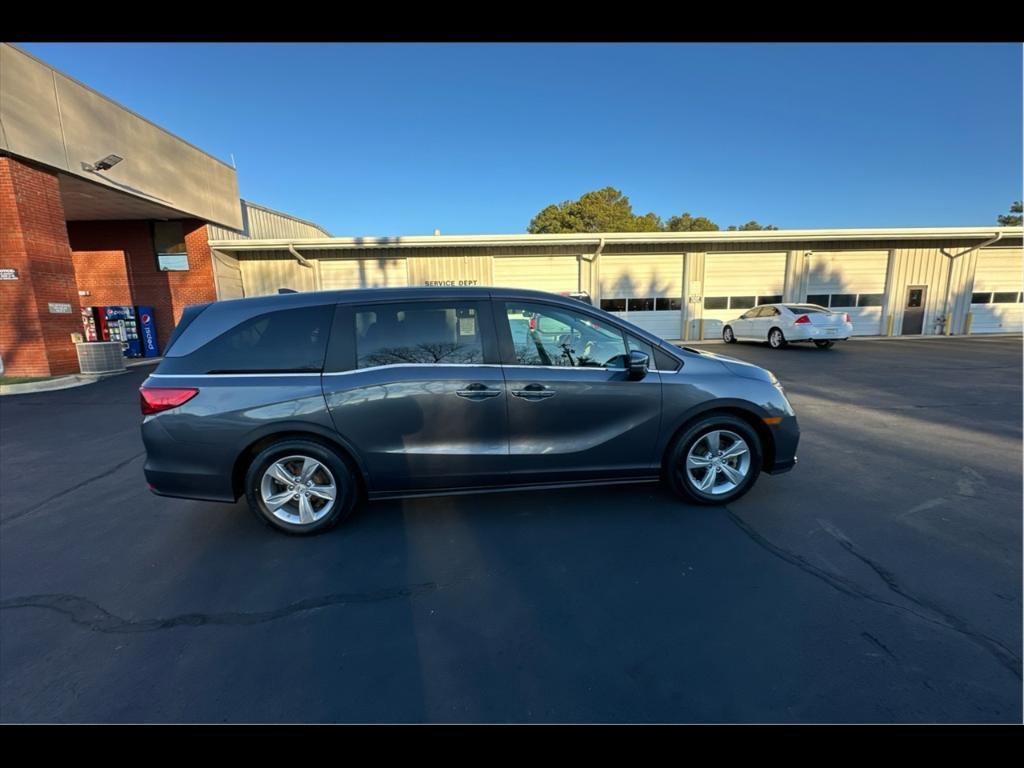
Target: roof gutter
point(949, 276)
point(303, 261)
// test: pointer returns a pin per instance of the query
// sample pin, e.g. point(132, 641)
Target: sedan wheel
point(775, 339)
point(727, 335)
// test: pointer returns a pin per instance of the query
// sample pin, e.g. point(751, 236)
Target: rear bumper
point(812, 333)
point(185, 470)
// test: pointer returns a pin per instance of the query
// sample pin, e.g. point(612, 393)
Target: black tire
point(776, 338)
point(683, 484)
point(728, 336)
point(824, 344)
point(344, 479)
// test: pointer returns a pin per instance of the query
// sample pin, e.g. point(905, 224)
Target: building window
point(668, 305)
point(169, 244)
point(640, 305)
point(981, 298)
point(742, 302)
point(1004, 298)
point(870, 299)
point(844, 300)
point(716, 302)
point(613, 305)
point(775, 299)
point(821, 299)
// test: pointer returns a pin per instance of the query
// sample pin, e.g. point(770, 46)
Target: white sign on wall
point(59, 308)
point(8, 274)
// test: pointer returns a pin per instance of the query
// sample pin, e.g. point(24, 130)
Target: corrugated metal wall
point(450, 270)
point(264, 272)
point(227, 276)
point(259, 223)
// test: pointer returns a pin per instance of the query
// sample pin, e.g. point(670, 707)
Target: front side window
point(433, 333)
point(552, 336)
point(751, 314)
point(286, 341)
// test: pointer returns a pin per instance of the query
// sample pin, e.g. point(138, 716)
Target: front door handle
point(534, 392)
point(477, 391)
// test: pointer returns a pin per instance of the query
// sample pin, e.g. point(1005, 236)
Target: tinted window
point(662, 305)
point(769, 299)
point(741, 302)
point(870, 299)
point(844, 300)
point(665, 361)
point(1004, 298)
point(418, 332)
point(552, 336)
point(613, 305)
point(751, 314)
point(981, 298)
point(286, 341)
point(716, 302)
point(769, 312)
point(641, 305)
point(820, 299)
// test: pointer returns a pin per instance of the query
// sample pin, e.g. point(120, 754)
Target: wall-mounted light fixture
point(106, 163)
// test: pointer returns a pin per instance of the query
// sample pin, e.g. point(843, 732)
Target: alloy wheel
point(717, 462)
point(298, 489)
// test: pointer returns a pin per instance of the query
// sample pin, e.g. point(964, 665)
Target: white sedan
point(779, 324)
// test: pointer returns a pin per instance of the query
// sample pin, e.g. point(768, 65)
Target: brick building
point(100, 207)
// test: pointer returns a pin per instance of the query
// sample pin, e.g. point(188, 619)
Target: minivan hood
point(738, 367)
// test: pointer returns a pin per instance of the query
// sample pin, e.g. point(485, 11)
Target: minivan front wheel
point(300, 487)
point(714, 461)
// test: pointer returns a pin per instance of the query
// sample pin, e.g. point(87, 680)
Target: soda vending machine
point(123, 327)
point(94, 324)
point(147, 330)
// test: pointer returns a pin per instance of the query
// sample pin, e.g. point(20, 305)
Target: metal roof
point(630, 238)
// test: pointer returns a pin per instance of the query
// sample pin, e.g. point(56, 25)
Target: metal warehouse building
point(681, 286)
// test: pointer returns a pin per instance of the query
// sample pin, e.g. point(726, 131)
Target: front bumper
point(786, 438)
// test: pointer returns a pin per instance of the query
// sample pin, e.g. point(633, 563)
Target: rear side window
point(285, 341)
point(433, 333)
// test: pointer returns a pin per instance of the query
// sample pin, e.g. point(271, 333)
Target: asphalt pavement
point(880, 581)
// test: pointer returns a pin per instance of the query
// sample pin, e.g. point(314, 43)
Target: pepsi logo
point(145, 318)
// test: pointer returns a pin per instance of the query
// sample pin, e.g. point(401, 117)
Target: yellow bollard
point(686, 330)
point(888, 326)
point(702, 329)
point(945, 326)
point(967, 324)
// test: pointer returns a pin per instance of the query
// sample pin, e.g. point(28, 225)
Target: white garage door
point(346, 274)
point(645, 290)
point(555, 274)
point(851, 282)
point(735, 282)
point(996, 299)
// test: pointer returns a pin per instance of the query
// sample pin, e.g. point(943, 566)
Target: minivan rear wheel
point(300, 487)
point(715, 460)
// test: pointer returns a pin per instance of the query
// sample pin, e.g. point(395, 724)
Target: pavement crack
point(66, 491)
point(879, 644)
point(86, 613)
point(921, 609)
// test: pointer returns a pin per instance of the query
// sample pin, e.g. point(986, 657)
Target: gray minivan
point(306, 403)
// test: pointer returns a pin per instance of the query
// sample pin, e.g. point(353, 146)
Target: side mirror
point(638, 365)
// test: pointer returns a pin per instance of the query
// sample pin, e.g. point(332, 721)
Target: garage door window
point(613, 305)
point(821, 299)
point(981, 298)
point(716, 302)
point(742, 302)
point(1004, 298)
point(640, 305)
point(668, 305)
point(844, 300)
point(870, 299)
point(774, 299)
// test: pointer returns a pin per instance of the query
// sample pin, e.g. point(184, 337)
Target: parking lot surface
point(880, 581)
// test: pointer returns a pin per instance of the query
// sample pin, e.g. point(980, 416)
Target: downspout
point(590, 260)
point(303, 261)
point(948, 322)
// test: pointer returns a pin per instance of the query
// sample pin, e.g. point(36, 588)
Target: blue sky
point(400, 139)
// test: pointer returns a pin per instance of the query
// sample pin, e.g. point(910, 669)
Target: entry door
point(573, 413)
point(913, 312)
point(416, 389)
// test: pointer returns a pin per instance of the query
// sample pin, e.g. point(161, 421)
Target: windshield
point(803, 309)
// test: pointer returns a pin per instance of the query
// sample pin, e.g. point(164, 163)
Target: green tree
point(1012, 220)
point(751, 226)
point(604, 210)
point(688, 223)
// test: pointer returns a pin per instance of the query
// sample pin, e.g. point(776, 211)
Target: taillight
point(157, 399)
point(802, 320)
point(846, 315)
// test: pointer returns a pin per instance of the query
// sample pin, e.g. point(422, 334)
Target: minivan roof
point(407, 292)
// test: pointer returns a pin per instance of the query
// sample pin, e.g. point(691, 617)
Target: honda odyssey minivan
point(306, 403)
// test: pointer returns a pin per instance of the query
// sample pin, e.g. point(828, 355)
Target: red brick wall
point(168, 293)
point(104, 274)
point(34, 241)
